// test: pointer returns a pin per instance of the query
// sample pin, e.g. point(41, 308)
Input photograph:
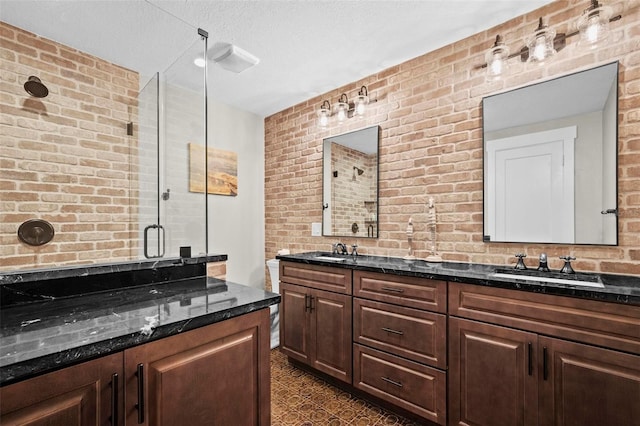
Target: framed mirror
point(550, 161)
point(350, 184)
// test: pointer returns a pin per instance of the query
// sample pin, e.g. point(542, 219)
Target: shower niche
point(105, 159)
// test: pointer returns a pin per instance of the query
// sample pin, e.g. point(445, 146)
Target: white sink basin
point(549, 280)
point(331, 258)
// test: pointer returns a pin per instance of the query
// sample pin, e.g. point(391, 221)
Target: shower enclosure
point(116, 149)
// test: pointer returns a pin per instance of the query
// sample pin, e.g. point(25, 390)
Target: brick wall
point(431, 146)
point(66, 158)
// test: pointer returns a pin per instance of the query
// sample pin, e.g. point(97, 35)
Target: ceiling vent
point(232, 58)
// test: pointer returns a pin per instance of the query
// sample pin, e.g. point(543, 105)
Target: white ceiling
point(306, 47)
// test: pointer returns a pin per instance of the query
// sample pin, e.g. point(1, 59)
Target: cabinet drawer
point(412, 386)
point(612, 325)
point(410, 333)
point(412, 292)
point(321, 277)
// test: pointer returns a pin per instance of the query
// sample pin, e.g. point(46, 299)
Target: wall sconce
point(593, 24)
point(544, 43)
point(361, 102)
point(324, 113)
point(541, 44)
point(344, 109)
point(341, 107)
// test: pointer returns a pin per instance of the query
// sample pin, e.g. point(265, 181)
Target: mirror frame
point(613, 145)
point(327, 174)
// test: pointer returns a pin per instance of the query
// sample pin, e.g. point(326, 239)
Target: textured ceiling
point(306, 48)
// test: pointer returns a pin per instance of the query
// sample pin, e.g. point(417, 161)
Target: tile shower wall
point(431, 146)
point(66, 158)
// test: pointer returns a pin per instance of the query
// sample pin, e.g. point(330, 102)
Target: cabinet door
point(492, 376)
point(586, 385)
point(84, 394)
point(295, 322)
point(214, 375)
point(331, 334)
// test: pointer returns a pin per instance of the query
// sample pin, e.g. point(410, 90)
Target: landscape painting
point(222, 178)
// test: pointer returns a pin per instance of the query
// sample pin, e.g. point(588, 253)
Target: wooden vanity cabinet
point(214, 375)
point(315, 317)
point(85, 394)
point(521, 358)
point(400, 341)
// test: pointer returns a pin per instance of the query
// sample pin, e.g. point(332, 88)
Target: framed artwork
point(222, 176)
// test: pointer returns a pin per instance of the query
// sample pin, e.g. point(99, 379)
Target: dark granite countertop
point(615, 288)
point(45, 335)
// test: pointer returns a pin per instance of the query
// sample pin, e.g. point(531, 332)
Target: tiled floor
point(298, 398)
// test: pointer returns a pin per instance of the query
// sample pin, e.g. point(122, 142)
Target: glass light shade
point(541, 45)
point(323, 117)
point(341, 109)
point(593, 25)
point(361, 103)
point(497, 60)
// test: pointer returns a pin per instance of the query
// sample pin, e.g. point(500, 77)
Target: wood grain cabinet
point(519, 358)
point(400, 341)
point(86, 394)
point(315, 323)
point(214, 375)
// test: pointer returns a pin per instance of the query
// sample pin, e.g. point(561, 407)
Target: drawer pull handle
point(390, 330)
point(393, 290)
point(529, 358)
point(393, 382)
point(114, 399)
point(140, 404)
point(545, 364)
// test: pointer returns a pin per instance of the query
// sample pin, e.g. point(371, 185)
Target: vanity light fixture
point(592, 26)
point(324, 113)
point(344, 109)
point(541, 44)
point(341, 108)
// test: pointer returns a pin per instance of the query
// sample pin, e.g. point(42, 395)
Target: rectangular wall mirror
point(350, 184)
point(550, 161)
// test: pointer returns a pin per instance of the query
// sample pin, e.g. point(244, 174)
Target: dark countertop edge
point(472, 277)
point(28, 275)
point(31, 368)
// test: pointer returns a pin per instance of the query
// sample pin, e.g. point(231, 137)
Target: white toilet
point(274, 273)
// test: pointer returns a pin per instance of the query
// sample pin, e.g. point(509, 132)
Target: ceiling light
point(497, 59)
point(232, 58)
point(540, 45)
point(593, 24)
point(361, 102)
point(324, 113)
point(199, 62)
point(341, 107)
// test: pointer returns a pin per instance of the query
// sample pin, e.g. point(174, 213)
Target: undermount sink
point(331, 258)
point(551, 278)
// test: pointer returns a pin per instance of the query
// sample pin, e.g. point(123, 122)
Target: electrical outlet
point(316, 229)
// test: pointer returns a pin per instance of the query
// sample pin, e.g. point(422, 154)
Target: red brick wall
point(431, 146)
point(66, 158)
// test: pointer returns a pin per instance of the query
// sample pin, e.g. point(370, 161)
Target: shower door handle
point(146, 241)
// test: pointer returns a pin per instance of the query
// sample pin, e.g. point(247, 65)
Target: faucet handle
point(567, 269)
point(520, 264)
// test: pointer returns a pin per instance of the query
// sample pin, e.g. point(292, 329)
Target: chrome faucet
point(354, 250)
point(543, 265)
point(339, 248)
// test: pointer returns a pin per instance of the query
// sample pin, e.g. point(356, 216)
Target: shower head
point(35, 88)
point(360, 171)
